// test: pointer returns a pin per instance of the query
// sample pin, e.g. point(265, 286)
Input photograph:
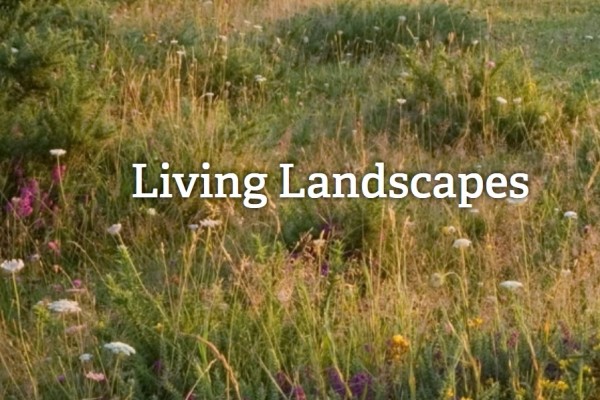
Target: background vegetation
point(303, 299)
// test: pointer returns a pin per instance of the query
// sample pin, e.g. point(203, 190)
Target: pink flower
point(58, 172)
point(490, 64)
point(71, 330)
point(54, 246)
point(23, 205)
point(95, 376)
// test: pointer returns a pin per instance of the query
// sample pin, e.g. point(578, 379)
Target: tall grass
point(353, 298)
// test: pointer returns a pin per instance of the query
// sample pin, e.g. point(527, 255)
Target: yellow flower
point(398, 346)
point(449, 394)
point(400, 341)
point(562, 385)
point(564, 364)
point(474, 322)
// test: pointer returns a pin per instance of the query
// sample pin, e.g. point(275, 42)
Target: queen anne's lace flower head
point(114, 229)
point(461, 243)
point(13, 266)
point(58, 152)
point(511, 285)
point(64, 306)
point(120, 348)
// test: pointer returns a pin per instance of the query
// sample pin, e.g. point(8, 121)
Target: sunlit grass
point(107, 296)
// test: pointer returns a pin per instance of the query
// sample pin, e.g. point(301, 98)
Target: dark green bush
point(50, 66)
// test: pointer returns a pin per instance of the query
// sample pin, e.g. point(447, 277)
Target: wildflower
point(325, 268)
point(361, 386)
point(402, 19)
point(398, 346)
point(570, 215)
point(85, 357)
point(501, 100)
point(61, 378)
point(449, 230)
point(151, 211)
point(58, 152)
point(260, 78)
point(588, 37)
point(14, 50)
point(474, 42)
point(401, 101)
point(258, 27)
point(512, 200)
point(542, 119)
point(12, 266)
point(474, 322)
point(95, 376)
point(284, 383)
point(174, 41)
point(561, 385)
point(400, 341)
point(180, 53)
point(120, 348)
point(23, 205)
point(511, 285)
point(305, 39)
point(336, 382)
point(114, 229)
point(157, 367)
point(517, 100)
point(565, 273)
point(223, 38)
point(284, 295)
point(490, 64)
point(461, 243)
point(193, 227)
point(209, 223)
point(474, 210)
point(54, 246)
point(64, 306)
point(437, 280)
point(58, 172)
point(71, 330)
point(298, 393)
point(210, 95)
point(449, 393)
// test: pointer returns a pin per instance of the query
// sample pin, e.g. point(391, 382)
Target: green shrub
point(50, 65)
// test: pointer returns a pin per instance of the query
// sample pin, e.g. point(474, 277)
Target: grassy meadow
point(105, 296)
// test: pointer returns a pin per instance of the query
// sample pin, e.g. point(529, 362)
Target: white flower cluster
point(120, 348)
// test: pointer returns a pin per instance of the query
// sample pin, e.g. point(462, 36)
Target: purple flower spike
point(361, 386)
point(298, 393)
point(336, 382)
point(325, 268)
